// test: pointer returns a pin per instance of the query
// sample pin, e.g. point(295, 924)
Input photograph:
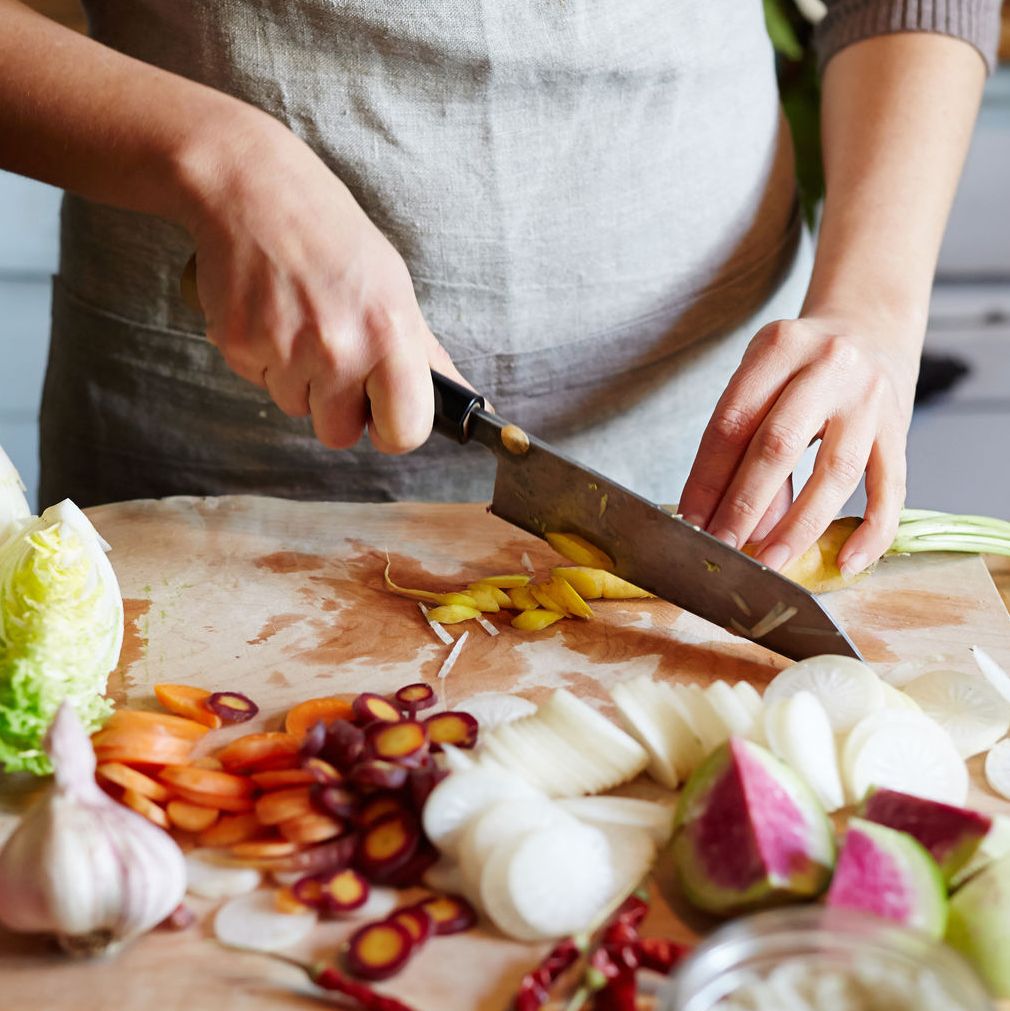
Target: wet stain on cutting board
point(289, 561)
point(904, 609)
point(134, 647)
point(274, 624)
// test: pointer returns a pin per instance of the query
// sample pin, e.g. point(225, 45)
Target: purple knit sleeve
point(848, 21)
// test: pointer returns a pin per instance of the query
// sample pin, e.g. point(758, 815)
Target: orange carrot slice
point(138, 747)
point(229, 830)
point(259, 752)
point(282, 805)
point(190, 817)
point(264, 849)
point(307, 714)
point(219, 802)
point(222, 784)
point(130, 779)
point(142, 719)
point(187, 701)
point(145, 806)
point(310, 828)
point(207, 762)
point(278, 779)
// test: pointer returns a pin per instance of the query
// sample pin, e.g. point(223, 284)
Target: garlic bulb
point(80, 865)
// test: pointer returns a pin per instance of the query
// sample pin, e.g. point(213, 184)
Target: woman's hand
point(306, 298)
point(848, 384)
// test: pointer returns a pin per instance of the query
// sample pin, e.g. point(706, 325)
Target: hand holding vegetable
point(304, 296)
point(827, 378)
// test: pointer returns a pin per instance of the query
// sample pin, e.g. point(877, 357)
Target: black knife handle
point(453, 406)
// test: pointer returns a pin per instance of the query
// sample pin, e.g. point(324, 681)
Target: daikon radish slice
point(565, 771)
point(646, 815)
point(507, 820)
point(209, 878)
point(253, 922)
point(688, 751)
point(732, 713)
point(904, 751)
point(750, 697)
point(701, 716)
point(379, 904)
point(456, 759)
point(632, 854)
point(848, 689)
point(595, 737)
point(895, 698)
point(493, 709)
point(997, 768)
point(461, 796)
point(965, 705)
point(802, 738)
point(643, 724)
point(547, 883)
point(508, 747)
point(994, 673)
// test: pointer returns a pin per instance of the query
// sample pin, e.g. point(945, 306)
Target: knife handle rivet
point(515, 440)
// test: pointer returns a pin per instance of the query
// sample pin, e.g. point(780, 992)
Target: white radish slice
point(645, 815)
point(965, 705)
point(802, 738)
point(446, 877)
point(576, 770)
point(461, 796)
point(773, 725)
point(641, 722)
point(456, 759)
point(997, 769)
point(253, 922)
point(379, 904)
point(209, 878)
point(750, 697)
point(702, 717)
point(732, 713)
point(895, 698)
point(487, 626)
point(848, 689)
point(993, 672)
point(596, 739)
point(507, 747)
point(450, 661)
point(547, 883)
point(632, 854)
point(507, 820)
point(688, 751)
point(904, 751)
point(493, 709)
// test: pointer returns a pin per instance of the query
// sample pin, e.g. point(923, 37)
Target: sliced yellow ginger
point(484, 597)
point(817, 568)
point(535, 620)
point(499, 596)
point(577, 549)
point(452, 614)
point(508, 581)
point(567, 596)
point(545, 598)
point(522, 599)
point(450, 599)
point(592, 584)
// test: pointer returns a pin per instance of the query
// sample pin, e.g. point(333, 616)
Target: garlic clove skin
point(82, 866)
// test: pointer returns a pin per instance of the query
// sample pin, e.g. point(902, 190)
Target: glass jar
point(822, 942)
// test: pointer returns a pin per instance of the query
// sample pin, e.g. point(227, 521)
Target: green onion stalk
point(927, 530)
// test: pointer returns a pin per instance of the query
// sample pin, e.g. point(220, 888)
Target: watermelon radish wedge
point(887, 873)
point(749, 833)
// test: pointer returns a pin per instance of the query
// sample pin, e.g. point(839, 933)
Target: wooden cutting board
point(285, 601)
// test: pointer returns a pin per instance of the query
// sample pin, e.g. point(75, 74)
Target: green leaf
point(781, 31)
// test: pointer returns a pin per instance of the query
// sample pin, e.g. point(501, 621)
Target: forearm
point(83, 117)
point(897, 112)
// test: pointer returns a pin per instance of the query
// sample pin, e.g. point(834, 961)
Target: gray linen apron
point(594, 197)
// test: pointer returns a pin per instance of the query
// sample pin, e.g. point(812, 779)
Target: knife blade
point(539, 489)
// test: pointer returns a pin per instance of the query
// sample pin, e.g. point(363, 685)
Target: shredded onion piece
point(436, 627)
point(450, 660)
point(486, 625)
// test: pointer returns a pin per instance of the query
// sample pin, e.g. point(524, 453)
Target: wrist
point(206, 165)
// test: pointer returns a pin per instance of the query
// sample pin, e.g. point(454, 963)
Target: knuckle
point(732, 426)
point(384, 324)
point(776, 335)
point(841, 353)
point(743, 505)
point(779, 444)
point(843, 467)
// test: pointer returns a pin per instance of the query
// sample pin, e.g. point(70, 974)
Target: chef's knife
point(540, 490)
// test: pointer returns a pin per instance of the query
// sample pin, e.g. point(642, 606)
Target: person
point(588, 208)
